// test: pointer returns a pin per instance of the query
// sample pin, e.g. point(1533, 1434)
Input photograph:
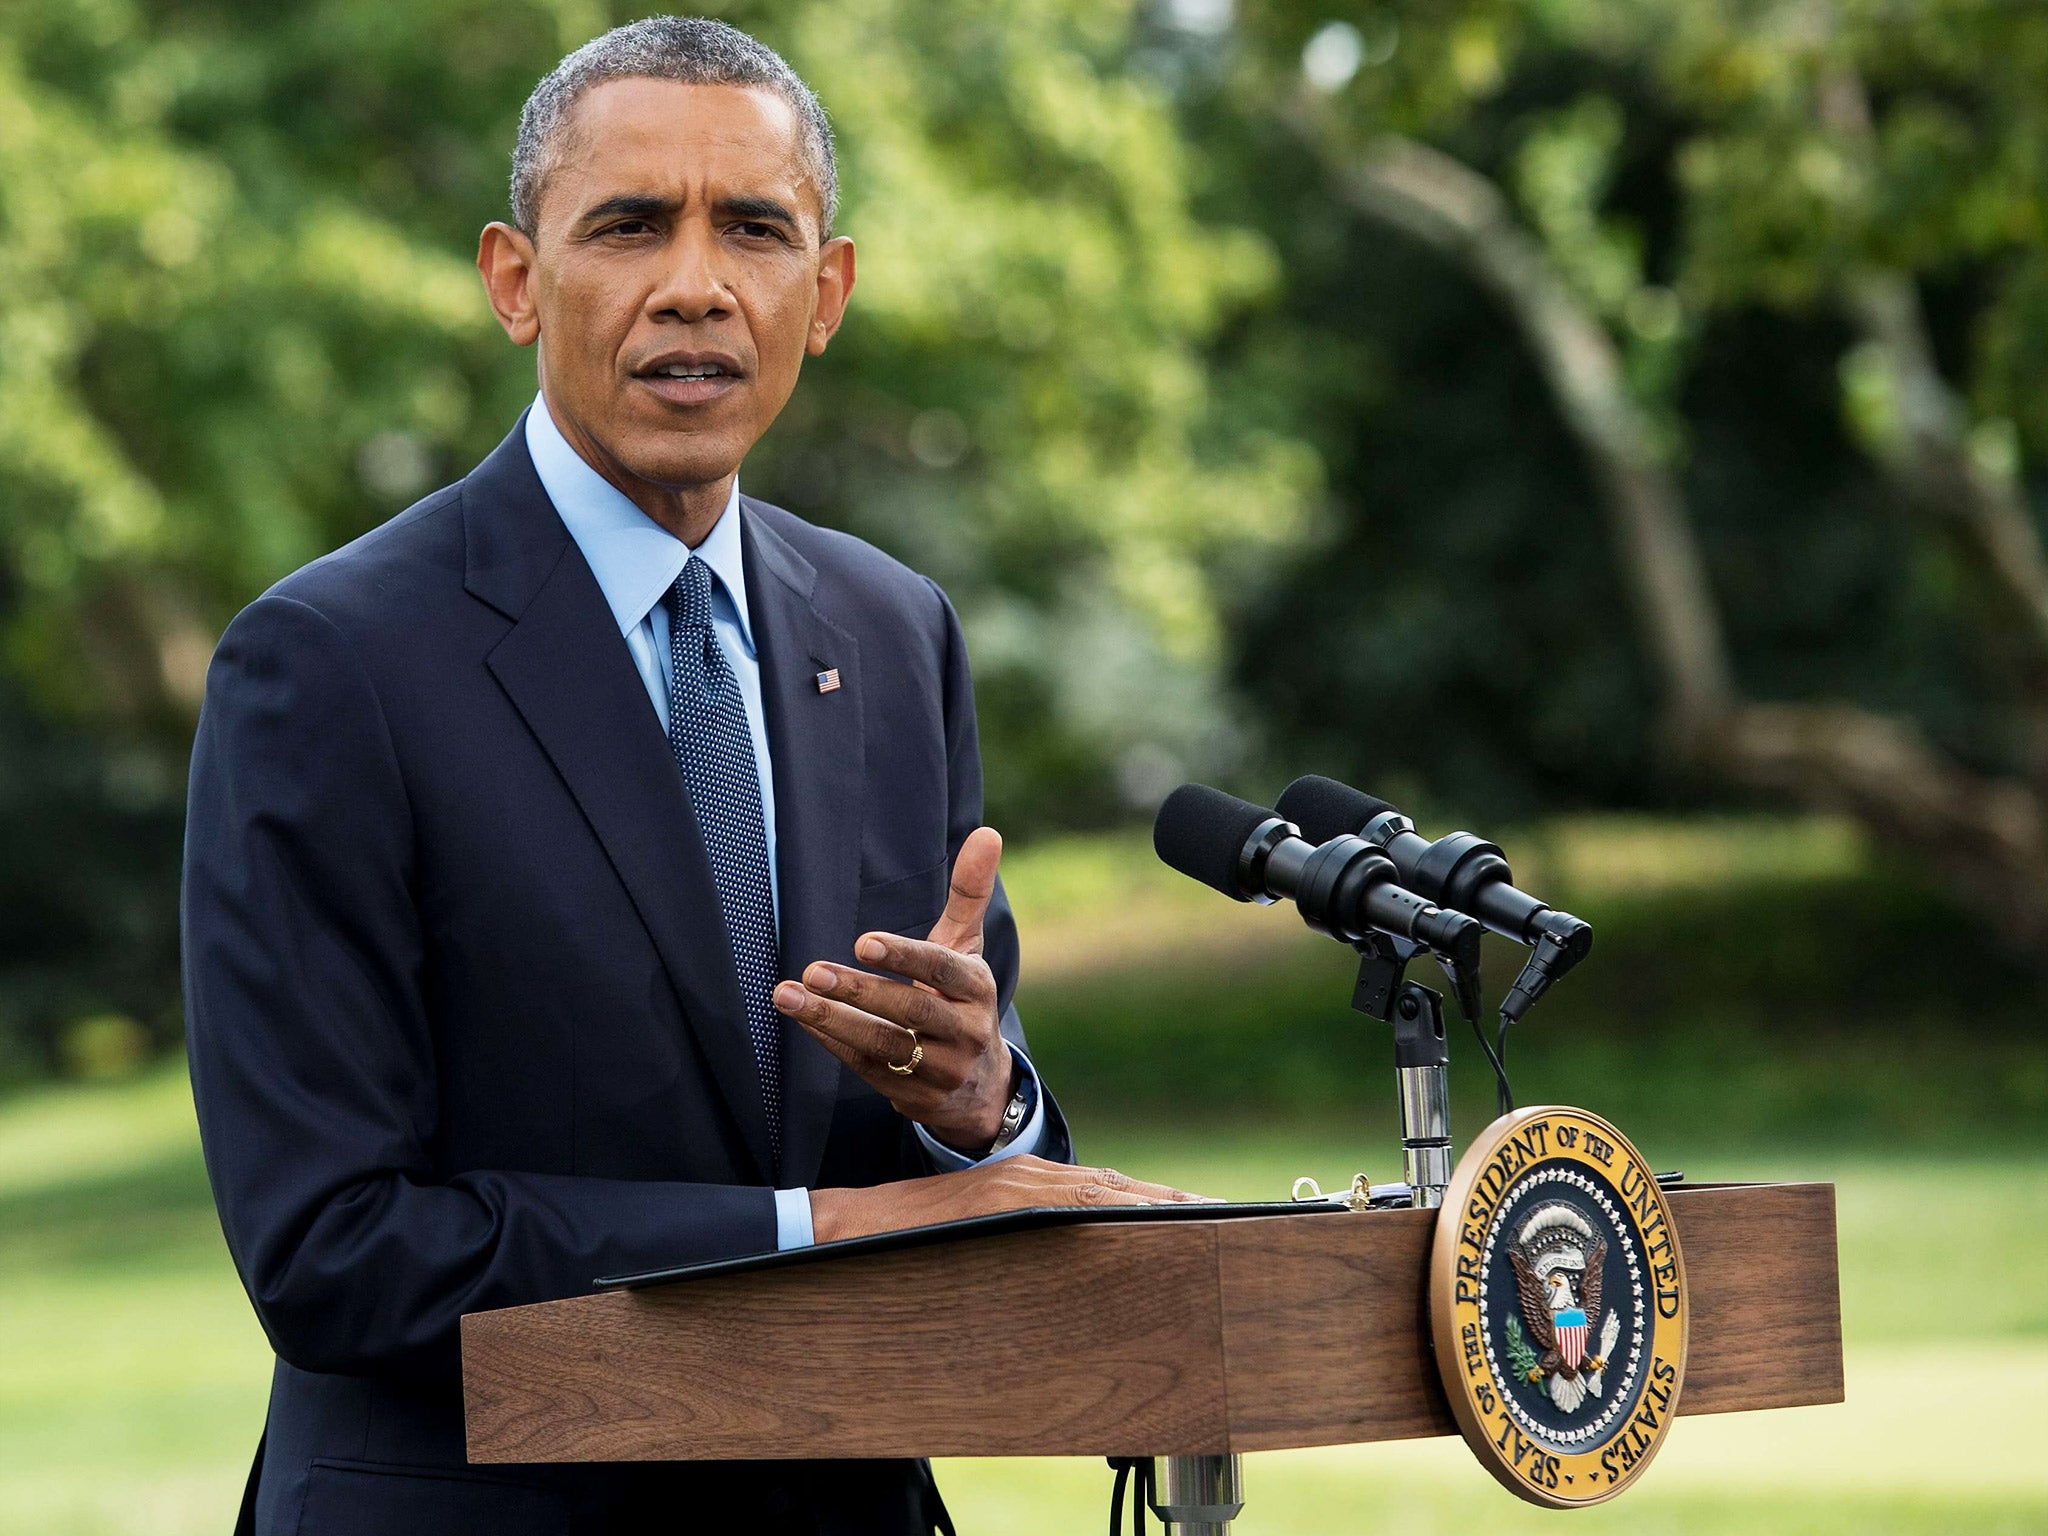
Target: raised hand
point(941, 1024)
point(930, 1044)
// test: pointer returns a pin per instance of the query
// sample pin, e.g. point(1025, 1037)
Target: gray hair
point(691, 49)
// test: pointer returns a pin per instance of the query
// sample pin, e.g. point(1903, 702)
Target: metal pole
point(1421, 1064)
point(1198, 1495)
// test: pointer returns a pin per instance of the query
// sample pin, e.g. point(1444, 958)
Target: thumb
point(974, 885)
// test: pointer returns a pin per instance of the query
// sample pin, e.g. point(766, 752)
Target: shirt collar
point(634, 558)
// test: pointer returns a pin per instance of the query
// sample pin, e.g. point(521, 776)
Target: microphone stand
point(1422, 1060)
point(1197, 1495)
point(1202, 1495)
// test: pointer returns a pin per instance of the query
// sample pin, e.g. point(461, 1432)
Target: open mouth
point(691, 383)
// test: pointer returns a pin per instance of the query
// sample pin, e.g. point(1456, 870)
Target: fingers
point(1105, 1186)
point(973, 886)
point(1049, 1183)
point(1142, 1193)
point(857, 1037)
point(918, 1008)
point(941, 1062)
point(964, 978)
point(858, 1061)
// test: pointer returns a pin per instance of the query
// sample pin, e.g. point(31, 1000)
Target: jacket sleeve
point(312, 1053)
point(999, 929)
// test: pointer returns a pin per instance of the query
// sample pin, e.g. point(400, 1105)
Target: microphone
point(1462, 871)
point(1345, 887)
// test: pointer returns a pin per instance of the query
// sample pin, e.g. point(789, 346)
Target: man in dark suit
point(534, 835)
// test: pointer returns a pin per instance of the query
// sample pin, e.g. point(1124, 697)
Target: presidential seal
point(1557, 1306)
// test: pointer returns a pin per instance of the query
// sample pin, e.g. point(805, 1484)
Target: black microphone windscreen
point(1201, 832)
point(1324, 808)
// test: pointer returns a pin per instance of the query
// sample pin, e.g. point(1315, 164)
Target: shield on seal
point(1571, 1336)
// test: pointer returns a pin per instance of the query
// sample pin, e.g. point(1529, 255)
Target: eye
point(629, 227)
point(753, 229)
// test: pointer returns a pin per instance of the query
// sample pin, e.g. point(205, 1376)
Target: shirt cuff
point(793, 1219)
point(1025, 1143)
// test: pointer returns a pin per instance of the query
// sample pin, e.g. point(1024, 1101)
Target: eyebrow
point(647, 205)
point(633, 205)
point(765, 209)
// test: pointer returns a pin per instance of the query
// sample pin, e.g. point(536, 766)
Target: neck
point(687, 511)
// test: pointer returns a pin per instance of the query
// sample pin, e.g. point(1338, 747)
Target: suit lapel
point(566, 669)
point(816, 743)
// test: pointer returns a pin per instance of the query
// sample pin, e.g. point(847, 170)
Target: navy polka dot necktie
point(707, 728)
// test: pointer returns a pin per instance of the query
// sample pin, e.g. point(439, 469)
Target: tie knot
point(693, 593)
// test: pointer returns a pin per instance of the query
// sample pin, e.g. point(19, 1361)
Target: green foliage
point(89, 843)
point(1226, 482)
point(1710, 179)
point(1022, 398)
point(203, 348)
point(238, 326)
point(242, 328)
point(1521, 1358)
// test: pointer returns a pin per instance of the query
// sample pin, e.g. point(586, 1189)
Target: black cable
point(1500, 1055)
point(1497, 1059)
point(1141, 1491)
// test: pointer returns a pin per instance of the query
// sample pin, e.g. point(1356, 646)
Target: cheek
point(782, 328)
point(585, 320)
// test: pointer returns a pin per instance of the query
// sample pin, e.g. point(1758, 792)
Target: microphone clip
point(1383, 962)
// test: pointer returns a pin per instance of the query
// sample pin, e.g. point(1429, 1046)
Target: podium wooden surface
point(1180, 1338)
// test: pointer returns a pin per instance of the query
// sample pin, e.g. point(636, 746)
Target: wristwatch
point(1016, 1112)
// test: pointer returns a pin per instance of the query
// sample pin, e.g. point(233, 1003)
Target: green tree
point(238, 326)
point(1831, 162)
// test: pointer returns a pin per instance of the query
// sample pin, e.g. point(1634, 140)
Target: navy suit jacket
point(464, 1025)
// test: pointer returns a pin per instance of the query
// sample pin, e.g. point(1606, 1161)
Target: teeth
point(700, 371)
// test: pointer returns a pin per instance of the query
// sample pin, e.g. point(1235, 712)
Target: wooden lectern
point(1159, 1338)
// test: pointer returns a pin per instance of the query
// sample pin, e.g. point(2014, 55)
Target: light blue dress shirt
point(636, 561)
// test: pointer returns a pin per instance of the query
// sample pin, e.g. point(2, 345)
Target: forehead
point(668, 136)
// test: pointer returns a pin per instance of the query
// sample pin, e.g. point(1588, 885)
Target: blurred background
point(1615, 425)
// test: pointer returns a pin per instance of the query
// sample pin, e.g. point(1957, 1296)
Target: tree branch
point(1929, 455)
point(1459, 213)
point(1986, 841)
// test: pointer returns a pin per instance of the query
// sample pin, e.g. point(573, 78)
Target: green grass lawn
point(133, 1376)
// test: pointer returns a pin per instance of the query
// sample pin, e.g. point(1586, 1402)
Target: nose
point(691, 287)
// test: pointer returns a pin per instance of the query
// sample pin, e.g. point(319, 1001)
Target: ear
point(835, 285)
point(504, 259)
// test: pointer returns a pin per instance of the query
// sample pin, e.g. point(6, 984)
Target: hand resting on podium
point(1015, 1184)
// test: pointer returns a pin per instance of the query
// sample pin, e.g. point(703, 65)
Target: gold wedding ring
point(916, 1055)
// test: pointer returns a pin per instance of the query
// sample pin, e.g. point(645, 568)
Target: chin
point(677, 459)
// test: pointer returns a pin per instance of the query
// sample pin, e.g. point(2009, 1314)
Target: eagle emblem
point(1558, 1305)
point(1559, 1264)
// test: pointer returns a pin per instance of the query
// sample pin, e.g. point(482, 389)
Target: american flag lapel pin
point(828, 680)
